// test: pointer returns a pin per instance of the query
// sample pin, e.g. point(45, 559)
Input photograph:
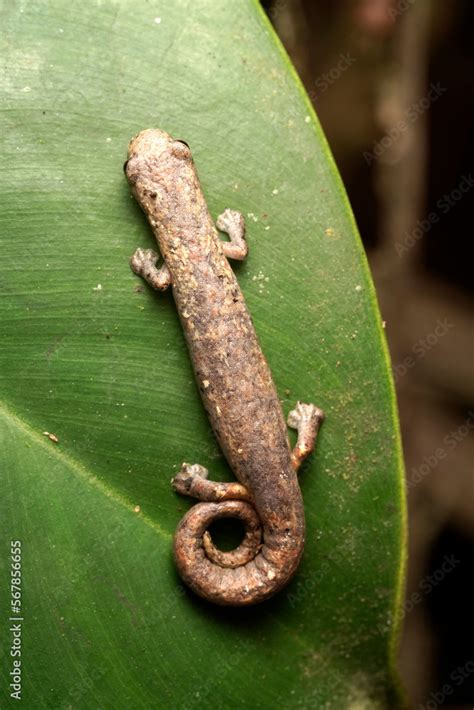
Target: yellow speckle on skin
point(205, 384)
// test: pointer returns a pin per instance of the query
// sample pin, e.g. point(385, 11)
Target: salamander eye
point(180, 149)
point(125, 166)
point(178, 140)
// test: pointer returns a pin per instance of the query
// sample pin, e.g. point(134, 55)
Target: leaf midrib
point(79, 469)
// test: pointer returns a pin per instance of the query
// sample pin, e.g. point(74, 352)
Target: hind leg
point(192, 481)
point(306, 419)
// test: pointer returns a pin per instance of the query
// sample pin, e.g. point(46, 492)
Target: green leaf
point(95, 358)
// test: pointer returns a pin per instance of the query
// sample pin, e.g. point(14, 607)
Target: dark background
point(392, 82)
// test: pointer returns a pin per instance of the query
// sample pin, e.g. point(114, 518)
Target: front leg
point(143, 263)
point(232, 222)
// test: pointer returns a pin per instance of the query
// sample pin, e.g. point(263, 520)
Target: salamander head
point(154, 151)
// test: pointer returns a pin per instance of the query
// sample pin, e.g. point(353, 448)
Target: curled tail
point(258, 568)
point(272, 515)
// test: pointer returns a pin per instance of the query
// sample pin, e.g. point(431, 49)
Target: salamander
point(235, 383)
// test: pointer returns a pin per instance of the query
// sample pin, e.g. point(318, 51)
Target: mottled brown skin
point(235, 384)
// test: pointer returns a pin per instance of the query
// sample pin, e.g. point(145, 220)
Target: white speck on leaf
point(307, 119)
point(275, 192)
point(98, 287)
point(157, 20)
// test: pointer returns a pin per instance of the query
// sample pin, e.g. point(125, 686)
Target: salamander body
point(235, 383)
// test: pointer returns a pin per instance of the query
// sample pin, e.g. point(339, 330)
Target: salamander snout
point(157, 146)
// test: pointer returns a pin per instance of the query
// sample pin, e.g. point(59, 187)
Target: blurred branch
point(400, 180)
